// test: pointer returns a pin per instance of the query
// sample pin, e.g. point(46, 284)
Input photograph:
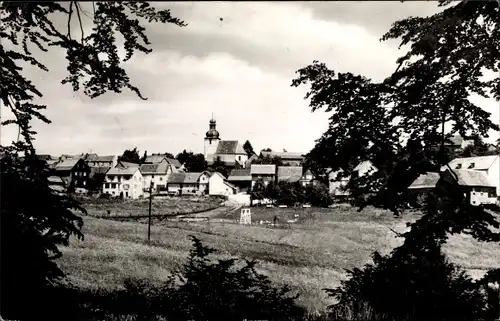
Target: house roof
point(118, 171)
point(153, 159)
point(365, 167)
point(218, 174)
point(99, 170)
point(160, 168)
point(427, 180)
point(257, 169)
point(250, 159)
point(477, 163)
point(176, 178)
point(308, 172)
point(229, 147)
point(109, 158)
point(66, 165)
point(44, 157)
point(127, 164)
point(473, 178)
point(230, 185)
point(174, 162)
point(55, 180)
point(240, 175)
point(289, 173)
point(191, 178)
point(284, 155)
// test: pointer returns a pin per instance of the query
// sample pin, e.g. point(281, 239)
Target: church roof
point(230, 147)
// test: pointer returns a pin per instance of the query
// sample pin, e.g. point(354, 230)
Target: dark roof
point(289, 173)
point(44, 157)
point(427, 180)
point(67, 164)
point(192, 178)
point(229, 147)
point(176, 178)
point(153, 159)
point(174, 162)
point(240, 175)
point(99, 170)
point(160, 168)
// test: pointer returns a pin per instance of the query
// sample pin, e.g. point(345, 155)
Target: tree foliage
point(268, 160)
point(398, 124)
point(248, 148)
point(192, 162)
point(478, 148)
point(31, 231)
point(131, 156)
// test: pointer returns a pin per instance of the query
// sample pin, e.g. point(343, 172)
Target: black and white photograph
point(250, 160)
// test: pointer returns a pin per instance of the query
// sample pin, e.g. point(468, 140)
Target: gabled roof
point(99, 170)
point(477, 163)
point(289, 173)
point(473, 178)
point(306, 173)
point(218, 174)
point(174, 162)
point(153, 159)
point(119, 171)
point(67, 164)
point(109, 158)
point(55, 180)
point(192, 178)
point(427, 180)
point(154, 169)
point(284, 155)
point(127, 164)
point(365, 167)
point(248, 162)
point(258, 169)
point(230, 185)
point(176, 178)
point(230, 147)
point(240, 175)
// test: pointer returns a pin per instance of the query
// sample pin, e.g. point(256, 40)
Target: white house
point(188, 183)
point(337, 184)
point(124, 182)
point(219, 186)
point(157, 174)
point(488, 164)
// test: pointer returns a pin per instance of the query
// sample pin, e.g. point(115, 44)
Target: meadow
point(309, 255)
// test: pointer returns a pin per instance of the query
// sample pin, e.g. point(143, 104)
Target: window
point(84, 183)
point(458, 166)
point(161, 179)
point(84, 174)
point(152, 176)
point(239, 158)
point(472, 165)
point(106, 185)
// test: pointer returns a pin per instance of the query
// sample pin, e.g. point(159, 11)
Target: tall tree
point(477, 148)
point(397, 124)
point(169, 155)
point(144, 157)
point(32, 231)
point(131, 156)
point(192, 162)
point(248, 148)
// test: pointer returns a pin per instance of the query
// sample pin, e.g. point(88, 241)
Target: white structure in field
point(246, 216)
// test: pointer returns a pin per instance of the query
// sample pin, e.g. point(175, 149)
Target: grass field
point(161, 205)
point(309, 255)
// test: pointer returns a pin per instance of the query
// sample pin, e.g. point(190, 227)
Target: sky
point(235, 60)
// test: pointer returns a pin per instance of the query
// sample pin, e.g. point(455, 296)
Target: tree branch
point(69, 18)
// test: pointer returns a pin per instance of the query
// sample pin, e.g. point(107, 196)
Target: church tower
point(211, 141)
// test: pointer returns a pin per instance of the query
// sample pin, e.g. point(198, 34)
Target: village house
point(188, 183)
point(241, 178)
point(218, 185)
point(157, 174)
point(475, 185)
point(124, 182)
point(229, 152)
point(74, 172)
point(288, 158)
point(94, 160)
point(338, 181)
point(291, 174)
point(308, 179)
point(265, 172)
point(487, 164)
point(159, 158)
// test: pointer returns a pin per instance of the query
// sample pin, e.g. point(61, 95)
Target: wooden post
point(149, 214)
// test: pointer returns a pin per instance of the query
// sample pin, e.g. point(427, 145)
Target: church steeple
point(212, 132)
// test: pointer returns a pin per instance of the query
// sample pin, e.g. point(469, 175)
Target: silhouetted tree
point(192, 162)
point(248, 148)
point(131, 156)
point(477, 148)
point(31, 230)
point(144, 157)
point(397, 124)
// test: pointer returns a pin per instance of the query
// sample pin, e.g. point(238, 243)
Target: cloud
point(239, 68)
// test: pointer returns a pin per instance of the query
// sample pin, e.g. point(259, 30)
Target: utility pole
point(149, 215)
